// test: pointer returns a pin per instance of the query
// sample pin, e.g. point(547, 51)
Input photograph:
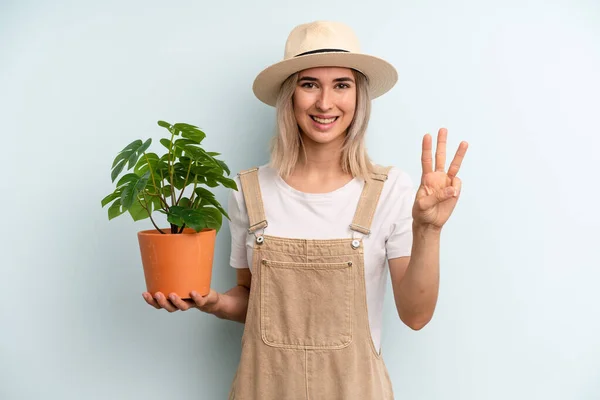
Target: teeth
point(324, 121)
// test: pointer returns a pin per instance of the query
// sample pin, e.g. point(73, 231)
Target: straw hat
point(323, 44)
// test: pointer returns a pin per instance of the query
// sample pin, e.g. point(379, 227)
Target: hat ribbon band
point(322, 51)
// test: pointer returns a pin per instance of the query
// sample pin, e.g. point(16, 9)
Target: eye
point(343, 86)
point(308, 85)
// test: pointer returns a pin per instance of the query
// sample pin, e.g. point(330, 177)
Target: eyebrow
point(311, 79)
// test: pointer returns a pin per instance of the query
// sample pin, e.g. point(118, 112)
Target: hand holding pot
point(174, 303)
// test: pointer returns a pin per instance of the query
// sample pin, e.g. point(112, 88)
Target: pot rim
point(186, 231)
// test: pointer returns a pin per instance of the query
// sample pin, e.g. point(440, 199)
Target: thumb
point(436, 197)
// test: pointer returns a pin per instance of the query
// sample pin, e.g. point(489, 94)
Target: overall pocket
point(306, 305)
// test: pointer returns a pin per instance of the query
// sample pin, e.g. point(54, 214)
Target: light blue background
point(518, 314)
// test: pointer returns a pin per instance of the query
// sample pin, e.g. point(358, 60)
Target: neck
point(321, 170)
point(321, 160)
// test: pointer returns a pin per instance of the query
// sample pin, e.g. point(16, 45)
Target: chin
point(324, 137)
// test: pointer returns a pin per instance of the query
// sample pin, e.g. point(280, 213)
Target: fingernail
point(450, 191)
point(172, 297)
point(194, 293)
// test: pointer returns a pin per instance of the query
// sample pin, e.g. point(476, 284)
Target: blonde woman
point(312, 231)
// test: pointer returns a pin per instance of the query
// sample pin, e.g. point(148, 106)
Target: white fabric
point(294, 214)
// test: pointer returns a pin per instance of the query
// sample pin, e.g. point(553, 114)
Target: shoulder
point(396, 177)
point(266, 177)
point(265, 173)
point(397, 187)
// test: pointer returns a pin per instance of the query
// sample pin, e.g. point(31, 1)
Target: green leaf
point(150, 160)
point(211, 182)
point(132, 160)
point(145, 146)
point(115, 209)
point(204, 193)
point(131, 153)
point(125, 179)
point(179, 174)
point(117, 170)
point(132, 189)
point(138, 212)
point(195, 219)
point(198, 153)
point(213, 218)
point(166, 143)
point(164, 124)
point(214, 174)
point(182, 142)
point(178, 182)
point(142, 182)
point(181, 126)
point(156, 204)
point(194, 134)
point(174, 216)
point(193, 152)
point(166, 190)
point(143, 161)
point(184, 202)
point(228, 183)
point(224, 166)
point(205, 171)
point(110, 197)
point(201, 192)
point(185, 160)
point(124, 154)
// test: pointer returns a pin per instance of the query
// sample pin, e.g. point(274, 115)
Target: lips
point(324, 120)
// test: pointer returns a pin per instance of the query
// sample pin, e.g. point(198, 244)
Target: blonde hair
point(287, 142)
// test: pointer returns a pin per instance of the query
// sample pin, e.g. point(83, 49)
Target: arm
point(415, 279)
point(233, 304)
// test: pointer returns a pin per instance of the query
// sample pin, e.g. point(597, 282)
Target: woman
point(312, 230)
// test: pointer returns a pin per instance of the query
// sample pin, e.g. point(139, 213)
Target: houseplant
point(177, 258)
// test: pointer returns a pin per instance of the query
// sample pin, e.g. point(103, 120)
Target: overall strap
point(367, 204)
point(253, 199)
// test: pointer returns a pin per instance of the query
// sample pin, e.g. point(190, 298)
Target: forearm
point(417, 292)
point(233, 304)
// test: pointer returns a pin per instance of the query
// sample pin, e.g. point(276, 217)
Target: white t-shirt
point(298, 215)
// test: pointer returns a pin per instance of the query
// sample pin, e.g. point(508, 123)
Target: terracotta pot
point(178, 263)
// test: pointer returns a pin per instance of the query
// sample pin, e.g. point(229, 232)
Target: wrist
point(426, 230)
point(219, 307)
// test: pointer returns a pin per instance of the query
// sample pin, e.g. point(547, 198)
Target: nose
point(324, 102)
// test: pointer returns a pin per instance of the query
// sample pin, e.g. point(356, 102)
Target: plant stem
point(185, 183)
point(171, 166)
point(149, 213)
point(160, 198)
point(157, 228)
point(194, 190)
point(154, 183)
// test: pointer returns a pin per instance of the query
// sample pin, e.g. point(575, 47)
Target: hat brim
point(381, 75)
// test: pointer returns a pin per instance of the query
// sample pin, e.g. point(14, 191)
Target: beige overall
point(307, 332)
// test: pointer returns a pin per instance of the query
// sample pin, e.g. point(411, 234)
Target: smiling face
point(324, 103)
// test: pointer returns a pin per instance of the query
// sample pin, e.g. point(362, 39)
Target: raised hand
point(439, 190)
